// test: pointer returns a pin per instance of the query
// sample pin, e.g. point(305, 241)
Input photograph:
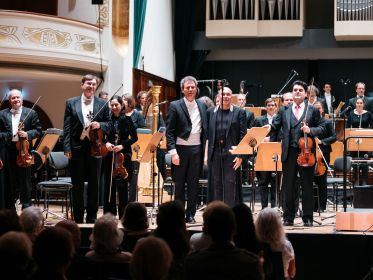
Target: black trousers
point(188, 173)
point(85, 168)
point(18, 178)
point(224, 181)
point(290, 169)
point(320, 181)
point(265, 178)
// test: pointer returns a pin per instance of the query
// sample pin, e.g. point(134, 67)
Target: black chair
point(57, 186)
point(337, 182)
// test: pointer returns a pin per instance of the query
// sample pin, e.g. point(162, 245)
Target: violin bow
point(109, 99)
point(28, 114)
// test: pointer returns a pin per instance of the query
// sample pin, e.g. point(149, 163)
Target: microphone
point(346, 110)
point(345, 82)
point(295, 72)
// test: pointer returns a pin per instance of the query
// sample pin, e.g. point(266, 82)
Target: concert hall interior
point(263, 109)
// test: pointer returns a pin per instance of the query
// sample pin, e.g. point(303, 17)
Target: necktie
point(297, 111)
point(14, 112)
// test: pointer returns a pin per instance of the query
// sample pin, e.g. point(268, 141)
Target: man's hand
point(306, 129)
point(95, 125)
point(68, 155)
point(22, 134)
point(237, 163)
point(175, 159)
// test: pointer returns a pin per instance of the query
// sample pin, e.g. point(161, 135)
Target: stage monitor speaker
point(363, 196)
point(97, 2)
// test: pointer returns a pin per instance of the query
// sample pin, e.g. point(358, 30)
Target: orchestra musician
point(227, 126)
point(329, 99)
point(327, 138)
point(265, 177)
point(141, 100)
point(186, 135)
point(121, 134)
point(297, 120)
point(21, 124)
point(312, 94)
point(360, 118)
point(6, 199)
point(84, 167)
point(360, 93)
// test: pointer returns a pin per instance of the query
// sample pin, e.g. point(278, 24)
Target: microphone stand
point(344, 84)
point(223, 83)
point(290, 77)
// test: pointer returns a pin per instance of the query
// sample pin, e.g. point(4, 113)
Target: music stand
point(250, 142)
point(150, 155)
point(46, 146)
point(270, 150)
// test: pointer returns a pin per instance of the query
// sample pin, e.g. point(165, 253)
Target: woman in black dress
point(121, 134)
point(360, 118)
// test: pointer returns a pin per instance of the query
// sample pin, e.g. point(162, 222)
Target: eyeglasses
point(271, 105)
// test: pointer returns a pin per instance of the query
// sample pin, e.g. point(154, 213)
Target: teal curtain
point(139, 21)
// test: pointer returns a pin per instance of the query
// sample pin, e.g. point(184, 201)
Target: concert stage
point(321, 252)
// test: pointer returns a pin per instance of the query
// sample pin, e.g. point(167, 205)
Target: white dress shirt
point(87, 107)
point(16, 117)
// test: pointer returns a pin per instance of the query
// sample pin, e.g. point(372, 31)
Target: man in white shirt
point(186, 135)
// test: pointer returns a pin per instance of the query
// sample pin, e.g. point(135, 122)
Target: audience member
point(80, 267)
point(222, 260)
point(9, 221)
point(105, 241)
point(53, 252)
point(269, 229)
point(15, 254)
point(172, 229)
point(32, 221)
point(135, 225)
point(151, 259)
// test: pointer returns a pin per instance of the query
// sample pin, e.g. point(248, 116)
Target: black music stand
point(150, 155)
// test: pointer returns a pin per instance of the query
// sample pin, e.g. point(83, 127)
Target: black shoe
point(190, 220)
point(288, 223)
point(308, 223)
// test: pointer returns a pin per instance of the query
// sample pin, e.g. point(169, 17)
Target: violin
point(118, 169)
point(24, 159)
point(306, 157)
point(98, 148)
point(118, 163)
point(320, 167)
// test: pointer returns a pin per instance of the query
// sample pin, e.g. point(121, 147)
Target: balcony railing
point(47, 40)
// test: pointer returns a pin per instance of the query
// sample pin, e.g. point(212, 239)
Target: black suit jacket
point(73, 122)
point(237, 128)
point(263, 120)
point(328, 137)
point(31, 124)
point(179, 123)
point(323, 100)
point(368, 103)
point(283, 120)
point(250, 118)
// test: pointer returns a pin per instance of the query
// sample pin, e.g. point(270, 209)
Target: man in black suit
point(296, 120)
point(329, 99)
point(186, 135)
point(84, 167)
point(360, 91)
point(18, 178)
point(226, 127)
point(265, 177)
point(327, 138)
